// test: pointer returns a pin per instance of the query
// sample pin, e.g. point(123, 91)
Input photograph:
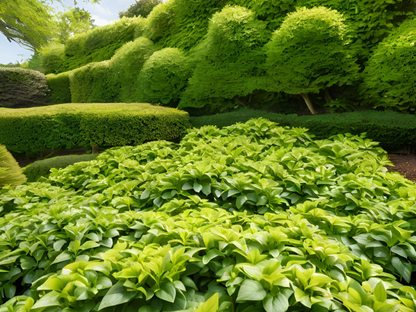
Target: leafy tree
point(73, 21)
point(164, 77)
point(26, 22)
point(140, 8)
point(309, 53)
point(389, 79)
point(227, 62)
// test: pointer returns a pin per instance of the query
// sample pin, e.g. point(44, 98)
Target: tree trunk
point(308, 102)
point(238, 101)
point(94, 148)
point(327, 97)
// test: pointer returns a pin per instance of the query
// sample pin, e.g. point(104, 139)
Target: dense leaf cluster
point(263, 216)
point(10, 172)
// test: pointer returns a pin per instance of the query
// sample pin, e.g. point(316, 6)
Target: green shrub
point(59, 87)
point(160, 21)
point(393, 130)
point(251, 217)
point(229, 59)
point(52, 55)
point(68, 126)
point(141, 26)
point(309, 53)
point(10, 172)
point(126, 65)
point(164, 77)
point(389, 79)
point(22, 87)
point(94, 83)
point(42, 168)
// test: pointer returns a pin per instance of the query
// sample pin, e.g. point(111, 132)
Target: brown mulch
point(404, 164)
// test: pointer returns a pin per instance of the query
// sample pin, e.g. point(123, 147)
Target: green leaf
point(403, 267)
point(117, 295)
point(380, 292)
point(212, 254)
point(251, 290)
point(241, 200)
point(211, 305)
point(275, 304)
point(49, 300)
point(167, 291)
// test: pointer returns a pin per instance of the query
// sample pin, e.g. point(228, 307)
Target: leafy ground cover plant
point(264, 217)
point(10, 172)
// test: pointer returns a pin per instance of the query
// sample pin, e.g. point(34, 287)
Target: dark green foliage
point(59, 87)
point(98, 44)
point(42, 168)
point(309, 52)
point(68, 126)
point(126, 65)
point(140, 8)
point(10, 172)
point(393, 130)
point(22, 87)
point(164, 77)
point(94, 83)
point(229, 59)
point(389, 78)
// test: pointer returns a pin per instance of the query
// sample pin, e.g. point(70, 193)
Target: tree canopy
point(26, 22)
point(140, 8)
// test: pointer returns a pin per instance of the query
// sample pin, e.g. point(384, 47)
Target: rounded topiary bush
point(164, 77)
point(22, 87)
point(52, 55)
point(309, 53)
point(229, 59)
point(389, 78)
point(126, 65)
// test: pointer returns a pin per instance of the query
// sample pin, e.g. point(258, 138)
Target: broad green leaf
point(251, 291)
point(275, 304)
point(211, 305)
point(167, 291)
point(117, 295)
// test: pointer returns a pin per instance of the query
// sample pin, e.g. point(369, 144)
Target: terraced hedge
point(252, 217)
point(67, 126)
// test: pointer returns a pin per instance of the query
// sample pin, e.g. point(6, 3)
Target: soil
point(405, 165)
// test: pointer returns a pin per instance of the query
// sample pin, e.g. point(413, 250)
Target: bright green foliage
point(229, 59)
point(59, 87)
point(263, 216)
point(42, 168)
point(126, 65)
point(96, 45)
point(94, 83)
point(52, 55)
point(73, 21)
point(389, 79)
point(140, 8)
point(141, 26)
point(309, 52)
point(164, 77)
point(78, 125)
point(160, 20)
point(10, 172)
point(391, 129)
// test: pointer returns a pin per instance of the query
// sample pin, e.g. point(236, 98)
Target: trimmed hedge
point(59, 88)
point(22, 87)
point(391, 129)
point(68, 126)
point(42, 168)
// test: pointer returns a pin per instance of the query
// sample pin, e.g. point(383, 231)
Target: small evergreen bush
point(126, 65)
point(309, 53)
point(10, 172)
point(42, 168)
point(389, 78)
point(229, 59)
point(164, 77)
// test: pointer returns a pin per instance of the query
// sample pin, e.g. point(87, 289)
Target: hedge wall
point(68, 126)
point(393, 130)
point(22, 87)
point(59, 88)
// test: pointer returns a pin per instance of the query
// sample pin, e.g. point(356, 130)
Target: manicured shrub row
point(42, 168)
point(10, 172)
point(22, 87)
point(254, 216)
point(59, 88)
point(79, 125)
point(391, 129)
point(98, 44)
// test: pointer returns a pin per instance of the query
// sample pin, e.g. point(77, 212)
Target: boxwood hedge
point(67, 126)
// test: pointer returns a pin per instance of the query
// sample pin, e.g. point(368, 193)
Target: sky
point(102, 13)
